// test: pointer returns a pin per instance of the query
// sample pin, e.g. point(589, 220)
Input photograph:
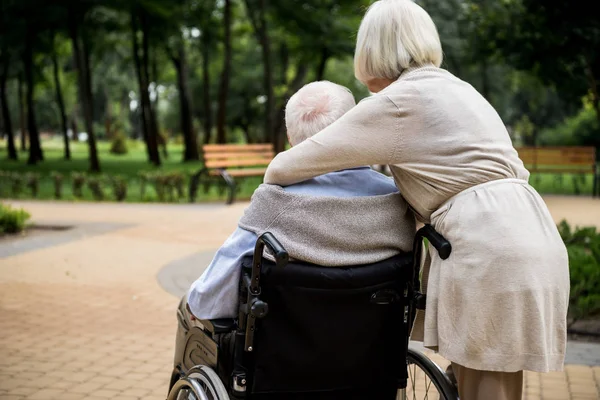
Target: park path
point(85, 317)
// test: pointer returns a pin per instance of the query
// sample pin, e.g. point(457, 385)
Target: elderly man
point(350, 217)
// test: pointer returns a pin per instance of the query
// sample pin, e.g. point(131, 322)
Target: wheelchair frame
point(253, 308)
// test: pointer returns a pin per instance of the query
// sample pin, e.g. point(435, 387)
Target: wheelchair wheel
point(200, 383)
point(426, 380)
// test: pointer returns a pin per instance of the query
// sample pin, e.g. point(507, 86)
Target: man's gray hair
point(314, 107)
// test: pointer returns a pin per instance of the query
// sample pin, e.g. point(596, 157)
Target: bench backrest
point(237, 155)
point(580, 158)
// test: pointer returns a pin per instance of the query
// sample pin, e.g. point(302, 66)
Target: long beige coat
point(499, 302)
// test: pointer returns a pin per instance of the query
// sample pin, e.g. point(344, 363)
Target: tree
point(556, 41)
point(35, 149)
point(149, 123)
point(81, 57)
point(225, 75)
point(59, 99)
point(257, 13)
point(6, 118)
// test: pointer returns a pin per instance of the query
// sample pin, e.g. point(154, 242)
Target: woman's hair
point(314, 107)
point(395, 35)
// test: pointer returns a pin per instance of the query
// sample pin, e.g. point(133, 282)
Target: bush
point(119, 144)
point(33, 182)
point(58, 182)
point(95, 185)
point(582, 129)
point(119, 187)
point(583, 246)
point(16, 184)
point(78, 182)
point(12, 220)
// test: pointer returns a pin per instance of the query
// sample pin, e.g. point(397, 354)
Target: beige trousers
point(488, 385)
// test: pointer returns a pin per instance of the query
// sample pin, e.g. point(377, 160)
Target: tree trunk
point(12, 150)
point(22, 117)
point(294, 86)
point(81, 58)
point(61, 106)
point(144, 103)
point(485, 83)
point(35, 150)
point(107, 115)
point(285, 63)
point(322, 64)
point(152, 123)
point(189, 136)
point(74, 127)
point(224, 85)
point(259, 22)
point(206, 92)
point(593, 84)
point(88, 111)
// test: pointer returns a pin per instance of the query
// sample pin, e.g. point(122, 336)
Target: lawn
point(129, 166)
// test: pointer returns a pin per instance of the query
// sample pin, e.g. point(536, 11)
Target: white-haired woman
point(498, 305)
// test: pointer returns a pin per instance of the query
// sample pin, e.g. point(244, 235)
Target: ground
point(89, 313)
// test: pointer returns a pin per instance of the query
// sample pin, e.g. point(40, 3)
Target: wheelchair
point(314, 333)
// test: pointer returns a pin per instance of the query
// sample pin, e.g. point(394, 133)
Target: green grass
point(130, 165)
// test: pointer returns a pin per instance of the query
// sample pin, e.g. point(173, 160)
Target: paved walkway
point(83, 316)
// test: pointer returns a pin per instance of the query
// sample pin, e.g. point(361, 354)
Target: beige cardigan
point(500, 301)
point(437, 133)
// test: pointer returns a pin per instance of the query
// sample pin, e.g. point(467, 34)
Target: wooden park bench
point(560, 160)
point(231, 161)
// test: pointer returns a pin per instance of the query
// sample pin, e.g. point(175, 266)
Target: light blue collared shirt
point(215, 293)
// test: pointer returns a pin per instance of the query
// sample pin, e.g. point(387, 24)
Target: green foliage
point(583, 246)
point(33, 182)
point(78, 181)
point(119, 145)
point(582, 129)
point(95, 185)
point(119, 185)
point(16, 184)
point(57, 179)
point(12, 220)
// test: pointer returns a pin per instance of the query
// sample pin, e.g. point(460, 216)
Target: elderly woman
point(498, 305)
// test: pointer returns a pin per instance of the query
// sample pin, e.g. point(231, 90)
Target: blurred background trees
point(217, 71)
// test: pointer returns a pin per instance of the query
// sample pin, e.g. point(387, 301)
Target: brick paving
point(86, 317)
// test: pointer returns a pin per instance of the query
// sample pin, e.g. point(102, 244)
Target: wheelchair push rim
point(200, 383)
point(426, 380)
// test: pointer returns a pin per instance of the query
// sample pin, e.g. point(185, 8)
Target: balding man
point(344, 218)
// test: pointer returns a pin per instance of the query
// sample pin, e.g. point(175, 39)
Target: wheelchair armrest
point(221, 325)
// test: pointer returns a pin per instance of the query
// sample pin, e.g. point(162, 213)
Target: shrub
point(95, 185)
point(583, 246)
point(12, 220)
point(58, 182)
point(33, 182)
point(119, 185)
point(78, 182)
point(119, 144)
point(16, 184)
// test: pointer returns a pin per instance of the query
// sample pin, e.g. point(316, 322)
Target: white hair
point(395, 35)
point(314, 107)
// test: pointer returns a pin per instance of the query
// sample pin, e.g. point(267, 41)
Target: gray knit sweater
point(332, 231)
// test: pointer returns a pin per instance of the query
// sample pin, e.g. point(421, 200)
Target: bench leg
point(194, 183)
point(230, 184)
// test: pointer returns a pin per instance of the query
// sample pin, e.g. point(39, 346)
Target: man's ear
point(288, 138)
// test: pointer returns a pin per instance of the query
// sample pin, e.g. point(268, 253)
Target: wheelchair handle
point(279, 252)
point(442, 245)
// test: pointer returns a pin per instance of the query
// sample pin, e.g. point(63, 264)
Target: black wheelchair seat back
point(330, 329)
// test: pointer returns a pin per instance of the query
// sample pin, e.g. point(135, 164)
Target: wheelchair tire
point(424, 373)
point(200, 383)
